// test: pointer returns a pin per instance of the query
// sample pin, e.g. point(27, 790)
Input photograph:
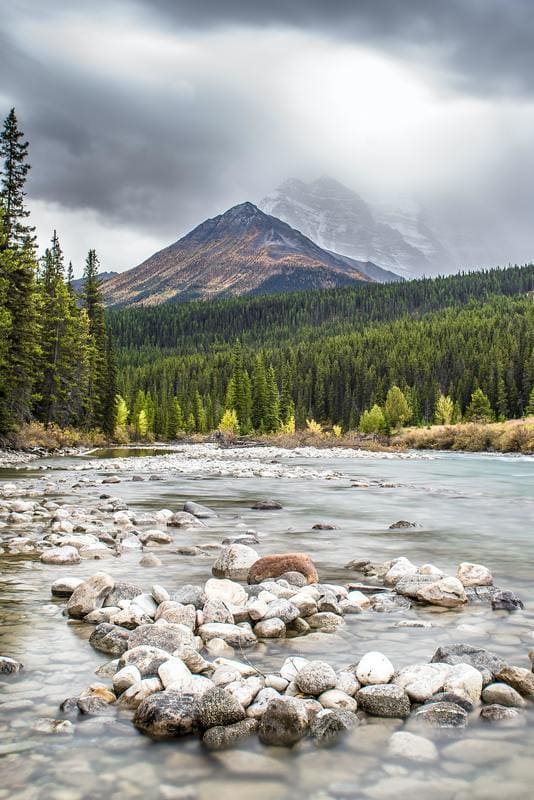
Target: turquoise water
point(469, 508)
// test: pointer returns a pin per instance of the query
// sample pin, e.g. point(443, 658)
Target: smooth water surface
point(476, 508)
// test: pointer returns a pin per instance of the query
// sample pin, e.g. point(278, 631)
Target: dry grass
point(34, 434)
point(326, 439)
point(513, 436)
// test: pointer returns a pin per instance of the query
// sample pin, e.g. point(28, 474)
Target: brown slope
point(243, 251)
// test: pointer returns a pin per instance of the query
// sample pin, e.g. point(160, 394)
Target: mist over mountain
point(339, 219)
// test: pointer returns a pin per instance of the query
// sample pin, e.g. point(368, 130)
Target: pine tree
point(92, 300)
point(260, 400)
point(479, 409)
point(201, 425)
point(444, 410)
point(373, 421)
point(530, 406)
point(272, 411)
point(175, 420)
point(109, 390)
point(396, 409)
point(14, 153)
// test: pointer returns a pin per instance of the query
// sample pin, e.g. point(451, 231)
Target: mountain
point(241, 252)
point(77, 283)
point(338, 219)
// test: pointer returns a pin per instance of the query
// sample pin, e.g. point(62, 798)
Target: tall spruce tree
point(98, 383)
point(14, 154)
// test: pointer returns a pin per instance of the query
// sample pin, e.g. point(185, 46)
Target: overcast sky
point(145, 117)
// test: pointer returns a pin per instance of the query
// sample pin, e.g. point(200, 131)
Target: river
point(477, 508)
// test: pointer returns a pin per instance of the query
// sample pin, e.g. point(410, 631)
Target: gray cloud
point(149, 115)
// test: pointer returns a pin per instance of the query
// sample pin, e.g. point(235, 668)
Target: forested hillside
point(331, 355)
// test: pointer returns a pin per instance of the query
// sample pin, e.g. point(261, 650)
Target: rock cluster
point(427, 584)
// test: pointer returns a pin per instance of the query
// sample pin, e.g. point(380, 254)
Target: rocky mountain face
point(338, 219)
point(241, 252)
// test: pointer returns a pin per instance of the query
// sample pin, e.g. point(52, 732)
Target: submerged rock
point(277, 564)
point(167, 714)
point(266, 505)
point(329, 725)
point(442, 715)
point(234, 562)
point(9, 666)
point(90, 595)
point(506, 601)
point(412, 747)
point(222, 737)
point(198, 510)
point(497, 713)
point(61, 555)
point(284, 722)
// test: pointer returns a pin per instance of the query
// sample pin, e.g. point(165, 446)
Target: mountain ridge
point(240, 252)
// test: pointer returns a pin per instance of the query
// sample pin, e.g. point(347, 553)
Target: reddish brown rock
point(275, 565)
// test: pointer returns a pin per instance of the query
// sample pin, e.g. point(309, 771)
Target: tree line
point(56, 357)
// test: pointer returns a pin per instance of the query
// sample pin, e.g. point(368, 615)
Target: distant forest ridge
point(335, 353)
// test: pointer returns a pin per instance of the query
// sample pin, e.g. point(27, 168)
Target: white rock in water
point(336, 699)
point(316, 677)
point(430, 569)
point(398, 570)
point(447, 592)
point(64, 587)
point(159, 593)
point(421, 681)
point(292, 666)
point(175, 672)
point(226, 590)
point(146, 604)
point(374, 668)
point(474, 575)
point(360, 599)
point(235, 562)
point(163, 515)
point(465, 681)
point(61, 555)
point(236, 635)
point(125, 678)
point(415, 748)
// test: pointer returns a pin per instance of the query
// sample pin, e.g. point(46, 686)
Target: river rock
point(139, 691)
point(284, 722)
point(447, 592)
point(292, 666)
point(281, 609)
point(374, 667)
point(64, 587)
point(270, 629)
point(225, 737)
point(219, 707)
point(266, 505)
point(191, 594)
point(234, 562)
point(384, 700)
point(324, 526)
point(198, 510)
point(328, 725)
point(422, 681)
point(147, 659)
point(451, 697)
point(497, 713)
point(110, 639)
point(400, 569)
point(336, 699)
point(389, 603)
point(325, 621)
point(257, 709)
point(464, 680)
point(181, 519)
point(61, 555)
point(277, 564)
point(347, 682)
point(402, 523)
point(521, 679)
point(125, 678)
point(169, 636)
point(111, 479)
point(171, 611)
point(175, 672)
point(412, 747)
point(506, 601)
point(474, 575)
point(167, 714)
point(54, 726)
point(91, 705)
point(234, 635)
point(155, 536)
point(217, 611)
point(503, 695)
point(127, 618)
point(487, 663)
point(9, 666)
point(150, 560)
point(90, 595)
point(228, 591)
point(442, 715)
point(316, 677)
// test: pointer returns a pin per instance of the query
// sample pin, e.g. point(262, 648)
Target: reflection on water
point(128, 452)
point(469, 508)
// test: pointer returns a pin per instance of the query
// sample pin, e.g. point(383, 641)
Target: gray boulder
point(487, 663)
point(219, 707)
point(222, 738)
point(284, 722)
point(167, 637)
point(167, 714)
point(198, 510)
point(328, 725)
point(384, 700)
point(316, 677)
point(110, 639)
point(90, 595)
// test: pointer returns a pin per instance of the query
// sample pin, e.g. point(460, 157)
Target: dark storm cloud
point(155, 145)
point(482, 45)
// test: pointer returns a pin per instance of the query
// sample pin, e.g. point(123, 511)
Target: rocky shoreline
point(174, 669)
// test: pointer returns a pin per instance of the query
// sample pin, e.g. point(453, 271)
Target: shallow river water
point(477, 508)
